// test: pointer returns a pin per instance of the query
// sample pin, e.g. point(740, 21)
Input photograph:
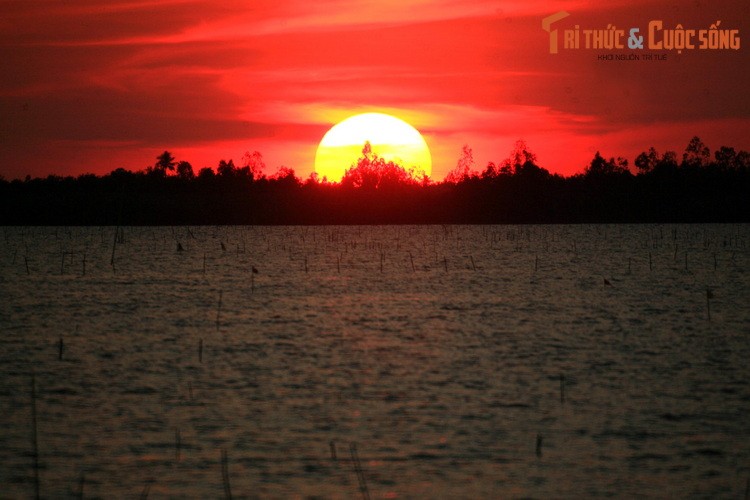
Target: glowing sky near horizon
point(88, 86)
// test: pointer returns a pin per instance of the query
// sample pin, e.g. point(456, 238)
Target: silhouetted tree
point(164, 162)
point(283, 173)
point(646, 162)
point(185, 171)
point(255, 164)
point(727, 159)
point(464, 168)
point(743, 161)
point(206, 173)
point(490, 171)
point(226, 168)
point(668, 162)
point(373, 172)
point(519, 191)
point(696, 154)
point(520, 157)
point(600, 167)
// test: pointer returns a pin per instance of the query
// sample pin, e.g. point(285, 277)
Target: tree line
point(696, 187)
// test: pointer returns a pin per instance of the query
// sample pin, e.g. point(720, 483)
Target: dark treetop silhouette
point(698, 188)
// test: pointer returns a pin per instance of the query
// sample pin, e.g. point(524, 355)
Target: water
point(445, 373)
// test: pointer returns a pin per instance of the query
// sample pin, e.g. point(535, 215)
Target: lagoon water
point(462, 361)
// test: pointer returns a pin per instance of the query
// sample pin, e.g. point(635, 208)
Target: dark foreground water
point(462, 362)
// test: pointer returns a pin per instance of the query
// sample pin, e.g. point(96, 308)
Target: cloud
point(198, 74)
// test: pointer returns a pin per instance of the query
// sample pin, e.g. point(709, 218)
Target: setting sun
point(391, 138)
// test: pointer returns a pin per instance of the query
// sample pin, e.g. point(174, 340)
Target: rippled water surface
point(461, 361)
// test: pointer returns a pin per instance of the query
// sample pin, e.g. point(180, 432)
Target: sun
point(391, 138)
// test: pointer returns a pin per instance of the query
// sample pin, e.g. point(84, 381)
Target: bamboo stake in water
point(114, 245)
point(34, 435)
point(200, 350)
point(473, 267)
point(177, 445)
point(539, 439)
point(411, 258)
point(358, 470)
point(60, 349)
point(709, 296)
point(81, 484)
point(562, 388)
point(332, 445)
point(225, 475)
point(218, 310)
point(26, 262)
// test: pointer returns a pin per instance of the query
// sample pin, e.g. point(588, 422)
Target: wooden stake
point(218, 310)
point(81, 484)
point(114, 245)
point(225, 475)
point(177, 445)
point(562, 388)
point(359, 472)
point(539, 439)
point(34, 436)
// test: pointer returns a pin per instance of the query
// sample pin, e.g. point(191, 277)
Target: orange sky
point(89, 86)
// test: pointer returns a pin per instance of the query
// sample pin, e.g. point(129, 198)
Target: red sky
point(90, 86)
